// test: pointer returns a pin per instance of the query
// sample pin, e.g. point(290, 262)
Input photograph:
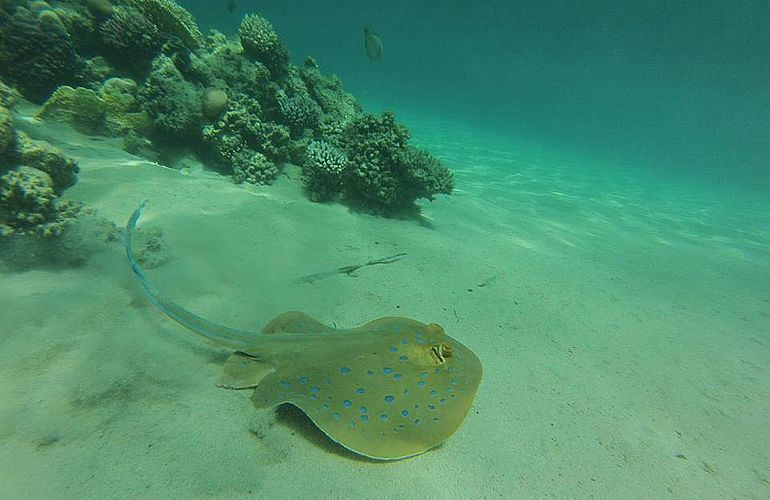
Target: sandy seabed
point(623, 324)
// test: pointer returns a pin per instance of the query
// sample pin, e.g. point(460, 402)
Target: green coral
point(322, 171)
point(261, 42)
point(339, 107)
point(241, 127)
point(173, 103)
point(171, 19)
point(253, 167)
point(299, 111)
point(130, 36)
point(386, 175)
point(37, 53)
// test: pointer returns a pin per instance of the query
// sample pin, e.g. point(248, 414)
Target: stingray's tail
point(232, 338)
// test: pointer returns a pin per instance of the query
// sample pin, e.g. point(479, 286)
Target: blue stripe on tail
point(225, 336)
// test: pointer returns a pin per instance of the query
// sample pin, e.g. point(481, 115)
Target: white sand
point(622, 324)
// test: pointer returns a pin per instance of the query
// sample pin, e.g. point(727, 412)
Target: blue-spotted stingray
point(390, 389)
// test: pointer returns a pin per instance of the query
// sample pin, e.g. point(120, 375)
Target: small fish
point(373, 45)
point(231, 6)
point(390, 389)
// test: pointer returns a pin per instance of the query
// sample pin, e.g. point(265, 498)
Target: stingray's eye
point(440, 352)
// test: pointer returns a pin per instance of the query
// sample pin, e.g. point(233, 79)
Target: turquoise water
point(605, 253)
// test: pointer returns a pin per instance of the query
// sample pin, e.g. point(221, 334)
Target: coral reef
point(111, 111)
point(37, 227)
point(141, 69)
point(173, 103)
point(386, 176)
point(170, 19)
point(241, 130)
point(322, 171)
point(261, 42)
point(253, 167)
point(299, 111)
point(36, 52)
point(130, 37)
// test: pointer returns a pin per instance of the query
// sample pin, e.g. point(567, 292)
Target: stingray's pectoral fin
point(242, 371)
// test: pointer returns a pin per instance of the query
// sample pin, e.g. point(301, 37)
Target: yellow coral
point(107, 111)
point(80, 107)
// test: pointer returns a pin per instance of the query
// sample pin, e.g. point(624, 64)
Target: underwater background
point(578, 193)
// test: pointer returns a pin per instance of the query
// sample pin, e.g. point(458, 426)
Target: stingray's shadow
point(292, 417)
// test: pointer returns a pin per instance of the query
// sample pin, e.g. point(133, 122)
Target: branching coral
point(385, 174)
point(261, 42)
point(322, 171)
point(253, 167)
point(298, 111)
point(241, 127)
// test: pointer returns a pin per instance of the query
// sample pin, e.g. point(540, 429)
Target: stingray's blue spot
point(431, 407)
point(403, 357)
point(387, 371)
point(336, 415)
point(404, 413)
point(406, 390)
point(329, 398)
point(347, 403)
point(421, 383)
point(395, 328)
point(451, 395)
point(328, 380)
point(433, 392)
point(449, 389)
point(393, 348)
point(313, 396)
point(383, 417)
point(315, 389)
point(364, 410)
point(364, 418)
point(304, 380)
point(404, 341)
point(437, 370)
point(397, 376)
point(352, 423)
point(370, 373)
point(441, 401)
point(284, 384)
point(326, 406)
point(424, 374)
point(345, 370)
point(417, 421)
point(360, 390)
point(389, 398)
point(453, 381)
